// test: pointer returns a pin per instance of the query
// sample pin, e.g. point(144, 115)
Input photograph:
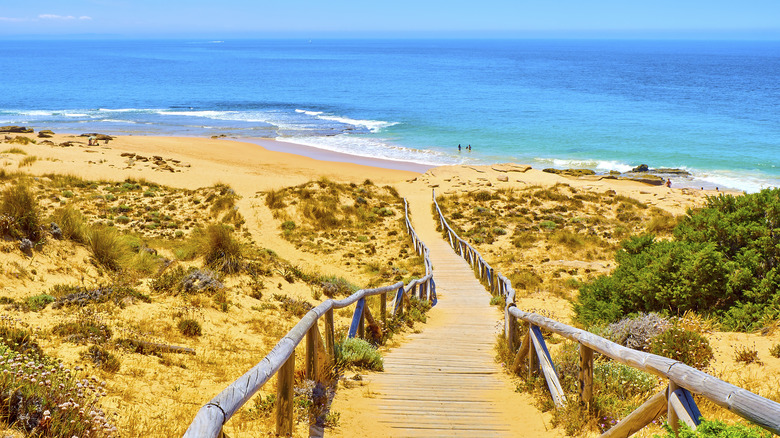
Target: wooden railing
point(675, 400)
point(320, 354)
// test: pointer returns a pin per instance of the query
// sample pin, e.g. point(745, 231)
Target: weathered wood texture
point(759, 410)
point(210, 418)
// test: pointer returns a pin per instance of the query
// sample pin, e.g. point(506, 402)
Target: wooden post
point(330, 335)
point(510, 328)
point(586, 375)
point(284, 397)
point(546, 364)
point(312, 367)
point(383, 308)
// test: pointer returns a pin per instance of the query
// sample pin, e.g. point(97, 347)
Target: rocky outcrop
point(16, 129)
point(46, 133)
point(570, 172)
point(97, 136)
point(646, 179)
point(641, 168)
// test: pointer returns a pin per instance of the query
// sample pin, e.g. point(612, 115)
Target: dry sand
point(249, 167)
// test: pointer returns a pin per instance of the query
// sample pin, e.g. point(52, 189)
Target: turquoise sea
point(711, 107)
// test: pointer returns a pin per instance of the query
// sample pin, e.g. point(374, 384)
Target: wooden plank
point(546, 364)
point(641, 417)
point(284, 397)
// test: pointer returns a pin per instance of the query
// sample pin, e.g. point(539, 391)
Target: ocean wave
point(597, 165)
point(369, 147)
point(373, 126)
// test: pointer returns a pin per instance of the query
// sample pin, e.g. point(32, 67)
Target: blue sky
point(451, 18)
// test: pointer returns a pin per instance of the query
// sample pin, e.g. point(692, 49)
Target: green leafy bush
point(358, 353)
point(716, 429)
point(724, 262)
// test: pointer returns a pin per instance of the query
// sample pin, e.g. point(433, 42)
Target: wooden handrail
point(752, 407)
point(212, 416)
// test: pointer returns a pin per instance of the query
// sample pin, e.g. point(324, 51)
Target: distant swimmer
point(458, 147)
point(469, 148)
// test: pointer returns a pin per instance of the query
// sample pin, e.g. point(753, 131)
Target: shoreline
point(322, 154)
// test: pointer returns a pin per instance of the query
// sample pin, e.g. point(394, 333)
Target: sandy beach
point(249, 168)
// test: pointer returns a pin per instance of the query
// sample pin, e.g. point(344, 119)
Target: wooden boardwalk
point(444, 381)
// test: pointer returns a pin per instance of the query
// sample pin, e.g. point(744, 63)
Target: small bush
point(775, 351)
point(716, 429)
point(190, 327)
point(36, 303)
point(18, 338)
point(337, 286)
point(297, 308)
point(637, 332)
point(169, 281)
point(72, 223)
point(222, 252)
point(28, 161)
point(358, 353)
point(101, 359)
point(107, 247)
point(274, 199)
point(686, 346)
point(19, 203)
point(747, 355)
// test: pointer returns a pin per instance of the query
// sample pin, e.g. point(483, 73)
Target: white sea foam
point(597, 165)
point(372, 125)
point(373, 148)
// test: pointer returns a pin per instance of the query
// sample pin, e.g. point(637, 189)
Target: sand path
point(444, 381)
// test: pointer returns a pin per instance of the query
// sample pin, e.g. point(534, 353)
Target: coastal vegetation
point(122, 298)
point(722, 262)
point(635, 275)
point(359, 227)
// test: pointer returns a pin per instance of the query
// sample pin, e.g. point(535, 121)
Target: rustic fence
point(320, 353)
point(675, 400)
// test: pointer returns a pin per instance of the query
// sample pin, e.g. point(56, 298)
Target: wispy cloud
point(12, 19)
point(63, 17)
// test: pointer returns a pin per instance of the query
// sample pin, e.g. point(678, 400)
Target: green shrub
point(686, 346)
point(169, 281)
point(190, 327)
point(775, 351)
point(122, 219)
point(716, 429)
point(358, 353)
point(717, 265)
point(39, 302)
point(222, 252)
